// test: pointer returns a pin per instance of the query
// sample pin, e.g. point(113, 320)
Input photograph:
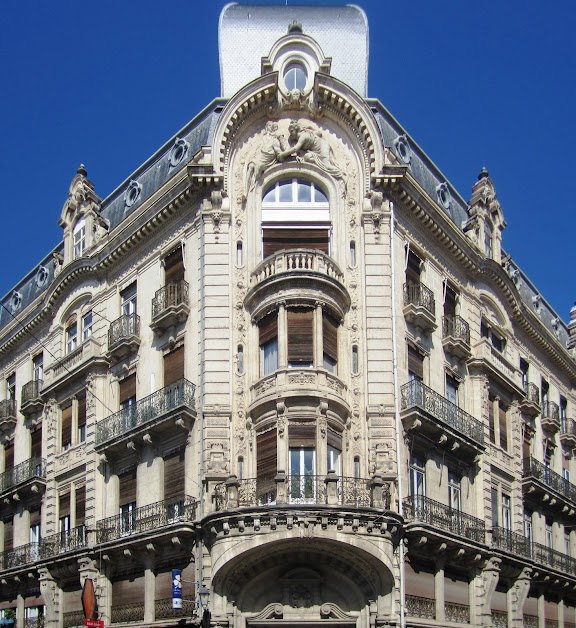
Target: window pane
point(295, 76)
point(319, 196)
point(285, 189)
point(304, 192)
point(270, 196)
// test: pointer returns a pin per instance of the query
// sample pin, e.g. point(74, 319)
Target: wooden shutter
point(268, 327)
point(415, 362)
point(174, 474)
point(413, 268)
point(330, 336)
point(128, 592)
point(334, 439)
point(503, 424)
point(267, 457)
point(491, 422)
point(302, 435)
point(128, 486)
point(8, 534)
point(80, 511)
point(36, 448)
point(66, 425)
point(174, 267)
point(127, 388)
point(8, 456)
point(274, 240)
point(450, 302)
point(300, 335)
point(82, 411)
point(174, 366)
point(64, 505)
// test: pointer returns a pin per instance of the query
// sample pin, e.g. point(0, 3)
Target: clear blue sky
point(476, 84)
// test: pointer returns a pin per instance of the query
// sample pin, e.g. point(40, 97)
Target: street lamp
point(203, 605)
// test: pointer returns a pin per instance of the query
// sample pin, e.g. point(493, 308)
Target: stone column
point(561, 613)
point(51, 594)
point(149, 586)
point(331, 481)
point(541, 610)
point(516, 597)
point(20, 600)
point(440, 612)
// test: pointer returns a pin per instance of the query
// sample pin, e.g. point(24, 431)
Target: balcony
point(545, 485)
point(456, 337)
point(511, 542)
point(20, 556)
point(429, 413)
point(170, 307)
point(147, 519)
point(63, 542)
point(7, 415)
point(27, 477)
point(488, 359)
point(75, 363)
point(425, 608)
point(124, 337)
point(320, 490)
point(304, 382)
point(530, 403)
point(420, 509)
point(297, 274)
point(550, 418)
point(568, 433)
point(173, 405)
point(31, 401)
point(419, 306)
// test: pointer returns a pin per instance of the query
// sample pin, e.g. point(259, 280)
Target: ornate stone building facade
point(289, 359)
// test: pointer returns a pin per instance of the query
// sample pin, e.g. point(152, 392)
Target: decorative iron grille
point(163, 609)
point(419, 508)
point(357, 492)
point(31, 390)
point(550, 410)
point(23, 472)
point(73, 619)
point(456, 327)
point(416, 394)
point(8, 409)
point(146, 519)
point(530, 621)
point(567, 426)
point(457, 612)
point(172, 295)
point(22, 555)
point(553, 558)
point(532, 393)
point(419, 295)
point(423, 607)
point(127, 612)
point(535, 469)
point(126, 326)
point(499, 619)
point(63, 542)
point(511, 542)
point(179, 394)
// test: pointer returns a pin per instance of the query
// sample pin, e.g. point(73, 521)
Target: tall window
point(413, 267)
point(295, 215)
point(451, 390)
point(334, 451)
point(528, 524)
point(488, 243)
point(495, 338)
point(454, 496)
point(11, 387)
point(415, 364)
point(86, 326)
point(71, 333)
point(300, 337)
point(268, 329)
point(38, 367)
point(548, 534)
point(302, 462)
point(79, 238)
point(524, 367)
point(417, 477)
point(128, 298)
point(506, 512)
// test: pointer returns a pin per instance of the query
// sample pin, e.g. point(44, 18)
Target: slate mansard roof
point(247, 34)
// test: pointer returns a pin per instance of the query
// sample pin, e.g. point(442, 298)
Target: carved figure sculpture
point(308, 144)
point(273, 143)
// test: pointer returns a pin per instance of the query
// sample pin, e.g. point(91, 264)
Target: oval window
point(295, 77)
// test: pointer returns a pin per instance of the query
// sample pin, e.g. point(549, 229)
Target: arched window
point(295, 215)
point(295, 76)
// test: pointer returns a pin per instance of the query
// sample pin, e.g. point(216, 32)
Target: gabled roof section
point(248, 32)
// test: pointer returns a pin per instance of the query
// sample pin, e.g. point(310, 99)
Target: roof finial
point(295, 27)
point(483, 174)
point(82, 171)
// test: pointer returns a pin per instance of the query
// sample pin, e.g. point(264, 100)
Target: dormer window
point(495, 338)
point(79, 238)
point(295, 76)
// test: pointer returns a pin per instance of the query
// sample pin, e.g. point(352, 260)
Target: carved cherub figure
point(273, 143)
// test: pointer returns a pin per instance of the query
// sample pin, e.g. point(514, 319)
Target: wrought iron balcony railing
point(63, 542)
point(163, 609)
point(172, 295)
point(511, 542)
point(23, 472)
point(123, 328)
point(23, 555)
point(299, 489)
point(31, 390)
point(423, 607)
point(535, 469)
point(178, 394)
point(532, 393)
point(567, 427)
point(7, 409)
point(553, 558)
point(433, 513)
point(419, 295)
point(416, 394)
point(456, 327)
point(122, 613)
point(146, 519)
point(550, 410)
point(73, 619)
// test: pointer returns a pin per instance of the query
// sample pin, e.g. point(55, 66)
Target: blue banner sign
point(176, 588)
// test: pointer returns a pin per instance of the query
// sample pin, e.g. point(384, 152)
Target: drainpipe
point(399, 461)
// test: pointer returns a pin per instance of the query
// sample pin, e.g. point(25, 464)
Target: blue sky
point(475, 84)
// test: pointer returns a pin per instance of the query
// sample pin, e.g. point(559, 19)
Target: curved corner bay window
point(300, 343)
point(295, 76)
point(295, 215)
